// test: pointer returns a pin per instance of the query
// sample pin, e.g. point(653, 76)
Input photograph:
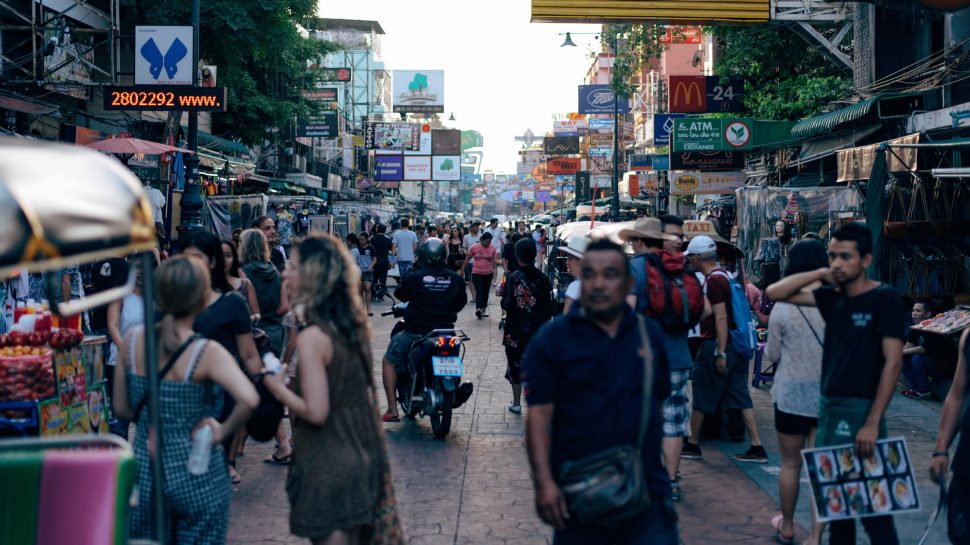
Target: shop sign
point(600, 152)
point(641, 162)
point(707, 160)
point(560, 145)
point(710, 94)
point(446, 142)
point(705, 183)
point(388, 168)
point(563, 165)
point(163, 55)
point(391, 136)
point(682, 35)
point(342, 75)
point(663, 124)
point(712, 134)
point(446, 168)
point(327, 96)
point(599, 123)
point(424, 145)
point(661, 162)
point(419, 91)
point(471, 139)
point(600, 99)
point(568, 127)
point(324, 126)
point(417, 168)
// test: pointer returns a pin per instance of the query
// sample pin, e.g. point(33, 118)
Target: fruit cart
point(63, 205)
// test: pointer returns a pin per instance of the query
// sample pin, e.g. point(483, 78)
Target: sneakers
point(913, 394)
point(515, 409)
point(756, 454)
point(691, 452)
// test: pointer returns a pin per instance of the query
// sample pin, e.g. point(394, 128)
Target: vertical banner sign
point(583, 180)
point(663, 125)
point(706, 94)
point(599, 99)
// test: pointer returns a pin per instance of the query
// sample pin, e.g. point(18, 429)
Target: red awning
point(26, 106)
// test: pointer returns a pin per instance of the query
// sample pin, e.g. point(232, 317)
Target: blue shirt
point(596, 385)
point(678, 355)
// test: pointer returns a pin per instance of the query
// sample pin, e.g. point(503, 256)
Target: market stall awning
point(224, 145)
point(26, 106)
point(882, 106)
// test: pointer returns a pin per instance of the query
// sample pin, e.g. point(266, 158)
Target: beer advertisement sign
point(705, 183)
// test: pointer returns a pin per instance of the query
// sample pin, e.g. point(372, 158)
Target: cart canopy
point(62, 205)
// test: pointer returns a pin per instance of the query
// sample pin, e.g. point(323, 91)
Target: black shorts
point(793, 424)
point(714, 391)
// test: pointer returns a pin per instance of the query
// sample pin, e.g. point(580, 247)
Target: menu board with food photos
point(844, 486)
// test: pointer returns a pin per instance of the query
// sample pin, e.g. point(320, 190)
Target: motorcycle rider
point(435, 295)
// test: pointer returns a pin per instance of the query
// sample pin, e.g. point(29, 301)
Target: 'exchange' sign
point(711, 134)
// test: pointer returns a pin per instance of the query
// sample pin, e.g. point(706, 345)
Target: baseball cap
point(701, 245)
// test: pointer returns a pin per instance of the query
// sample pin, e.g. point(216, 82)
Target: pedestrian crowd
point(655, 345)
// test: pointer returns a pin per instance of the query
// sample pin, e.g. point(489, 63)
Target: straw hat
point(576, 246)
point(646, 228)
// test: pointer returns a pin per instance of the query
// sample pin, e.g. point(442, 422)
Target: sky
point(503, 74)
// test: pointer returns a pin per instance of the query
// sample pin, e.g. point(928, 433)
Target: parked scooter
point(431, 383)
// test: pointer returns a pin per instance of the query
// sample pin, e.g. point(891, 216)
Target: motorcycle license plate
point(446, 366)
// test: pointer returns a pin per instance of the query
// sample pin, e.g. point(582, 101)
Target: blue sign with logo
point(600, 99)
point(388, 168)
point(470, 178)
point(661, 162)
point(600, 123)
point(663, 125)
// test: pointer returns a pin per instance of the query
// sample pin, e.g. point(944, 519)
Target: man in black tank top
point(956, 418)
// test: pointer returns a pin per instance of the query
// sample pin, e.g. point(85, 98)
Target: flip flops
point(779, 537)
point(277, 460)
point(388, 417)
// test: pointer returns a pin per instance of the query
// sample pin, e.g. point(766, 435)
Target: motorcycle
point(430, 384)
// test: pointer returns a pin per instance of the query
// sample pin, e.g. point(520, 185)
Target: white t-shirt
point(157, 199)
point(407, 242)
point(498, 236)
point(574, 290)
point(471, 240)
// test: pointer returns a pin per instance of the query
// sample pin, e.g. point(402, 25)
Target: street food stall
point(65, 205)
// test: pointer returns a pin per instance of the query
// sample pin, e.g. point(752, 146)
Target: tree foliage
point(785, 77)
point(261, 57)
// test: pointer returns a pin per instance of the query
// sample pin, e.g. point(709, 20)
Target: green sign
point(471, 139)
point(712, 134)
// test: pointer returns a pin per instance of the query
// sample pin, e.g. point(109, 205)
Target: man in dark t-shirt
point(382, 248)
point(862, 355)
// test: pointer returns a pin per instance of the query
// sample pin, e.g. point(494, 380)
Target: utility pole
point(616, 139)
point(191, 203)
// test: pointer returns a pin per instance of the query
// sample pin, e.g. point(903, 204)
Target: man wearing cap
point(574, 259)
point(720, 374)
point(647, 237)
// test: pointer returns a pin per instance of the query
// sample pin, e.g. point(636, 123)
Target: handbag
point(265, 420)
point(817, 338)
point(609, 488)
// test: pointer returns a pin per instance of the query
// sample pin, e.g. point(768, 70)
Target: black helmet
point(432, 253)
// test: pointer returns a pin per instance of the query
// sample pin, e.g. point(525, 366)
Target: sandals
point(779, 537)
point(278, 460)
point(388, 417)
point(234, 476)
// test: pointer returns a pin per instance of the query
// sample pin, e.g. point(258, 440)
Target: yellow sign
point(636, 11)
point(687, 183)
point(573, 116)
point(358, 141)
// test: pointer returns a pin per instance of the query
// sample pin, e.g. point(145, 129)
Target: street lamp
point(615, 182)
point(191, 203)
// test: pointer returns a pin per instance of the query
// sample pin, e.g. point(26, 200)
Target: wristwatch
point(720, 355)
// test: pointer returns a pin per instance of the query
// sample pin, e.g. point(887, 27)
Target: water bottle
point(201, 451)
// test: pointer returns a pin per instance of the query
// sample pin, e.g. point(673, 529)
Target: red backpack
point(674, 296)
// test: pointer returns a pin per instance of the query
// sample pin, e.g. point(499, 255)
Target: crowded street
point(475, 486)
point(560, 272)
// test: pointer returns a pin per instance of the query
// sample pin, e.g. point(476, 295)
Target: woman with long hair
point(226, 320)
point(237, 279)
point(456, 250)
point(795, 337)
point(189, 365)
point(254, 254)
point(333, 401)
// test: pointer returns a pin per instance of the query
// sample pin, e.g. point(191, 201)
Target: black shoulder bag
point(608, 488)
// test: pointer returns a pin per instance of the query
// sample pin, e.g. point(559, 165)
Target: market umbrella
point(129, 146)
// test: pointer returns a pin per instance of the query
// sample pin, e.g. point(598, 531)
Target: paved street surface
point(474, 487)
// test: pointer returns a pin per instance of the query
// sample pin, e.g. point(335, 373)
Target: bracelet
point(943, 453)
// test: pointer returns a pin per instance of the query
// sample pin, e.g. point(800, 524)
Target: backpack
point(674, 297)
point(744, 337)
